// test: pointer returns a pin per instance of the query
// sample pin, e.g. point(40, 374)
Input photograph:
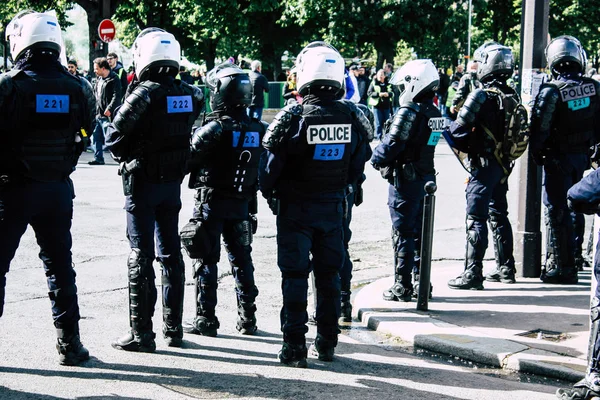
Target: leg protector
point(503, 247)
point(142, 299)
point(173, 281)
point(205, 323)
point(246, 322)
point(472, 276)
point(142, 291)
point(560, 265)
point(402, 289)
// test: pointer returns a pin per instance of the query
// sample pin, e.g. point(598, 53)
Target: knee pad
point(140, 266)
point(195, 239)
point(243, 233)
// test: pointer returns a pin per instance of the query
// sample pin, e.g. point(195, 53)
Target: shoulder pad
point(6, 87)
point(265, 125)
point(294, 109)
point(206, 136)
point(280, 125)
point(411, 105)
point(543, 108)
point(366, 126)
point(134, 106)
point(345, 106)
point(469, 110)
point(402, 124)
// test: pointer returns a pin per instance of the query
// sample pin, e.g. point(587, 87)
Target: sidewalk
point(528, 326)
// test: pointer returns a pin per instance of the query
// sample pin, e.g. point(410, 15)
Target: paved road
point(229, 366)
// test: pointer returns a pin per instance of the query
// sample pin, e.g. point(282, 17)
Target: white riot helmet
point(319, 66)
point(415, 78)
point(156, 48)
point(30, 29)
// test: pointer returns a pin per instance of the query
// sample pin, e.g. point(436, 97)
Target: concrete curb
point(403, 321)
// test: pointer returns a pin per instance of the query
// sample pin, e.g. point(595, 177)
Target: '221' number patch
point(52, 104)
point(329, 152)
point(179, 104)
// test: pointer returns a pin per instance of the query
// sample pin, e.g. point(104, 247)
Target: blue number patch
point(434, 138)
point(52, 103)
point(251, 139)
point(179, 104)
point(329, 152)
point(578, 104)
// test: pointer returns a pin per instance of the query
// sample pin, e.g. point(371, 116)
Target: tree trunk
point(210, 53)
point(385, 52)
point(97, 47)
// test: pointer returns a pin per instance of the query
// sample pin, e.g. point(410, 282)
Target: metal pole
point(469, 32)
point(426, 246)
point(528, 238)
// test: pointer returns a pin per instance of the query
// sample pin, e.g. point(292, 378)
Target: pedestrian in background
point(260, 86)
point(116, 66)
point(380, 99)
point(108, 98)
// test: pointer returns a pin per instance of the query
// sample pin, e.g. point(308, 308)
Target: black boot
point(70, 349)
point(560, 263)
point(246, 321)
point(472, 276)
point(142, 298)
point(173, 280)
point(581, 262)
point(505, 263)
point(201, 325)
point(323, 348)
point(346, 312)
point(293, 355)
point(398, 292)
point(142, 342)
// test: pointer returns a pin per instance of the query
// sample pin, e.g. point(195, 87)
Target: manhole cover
point(542, 334)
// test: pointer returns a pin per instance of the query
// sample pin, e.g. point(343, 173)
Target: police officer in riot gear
point(564, 125)
point(45, 112)
point(226, 151)
point(150, 136)
point(405, 158)
point(584, 197)
point(314, 151)
point(491, 129)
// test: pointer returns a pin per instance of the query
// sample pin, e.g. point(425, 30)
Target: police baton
point(426, 245)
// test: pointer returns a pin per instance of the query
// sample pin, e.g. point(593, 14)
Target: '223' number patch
point(179, 104)
point(329, 152)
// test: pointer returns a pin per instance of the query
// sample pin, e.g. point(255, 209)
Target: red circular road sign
point(106, 30)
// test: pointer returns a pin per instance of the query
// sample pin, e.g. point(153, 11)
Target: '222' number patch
point(329, 152)
point(251, 139)
point(52, 104)
point(179, 104)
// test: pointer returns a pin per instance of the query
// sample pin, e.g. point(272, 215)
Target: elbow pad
point(198, 95)
point(468, 112)
point(133, 108)
point(543, 108)
point(206, 136)
point(281, 124)
point(402, 124)
point(366, 119)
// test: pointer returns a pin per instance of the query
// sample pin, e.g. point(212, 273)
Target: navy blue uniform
point(150, 135)
point(408, 162)
point(227, 150)
point(564, 125)
point(320, 150)
point(43, 109)
point(487, 187)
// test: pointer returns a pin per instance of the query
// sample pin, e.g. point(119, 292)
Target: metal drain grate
point(542, 334)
